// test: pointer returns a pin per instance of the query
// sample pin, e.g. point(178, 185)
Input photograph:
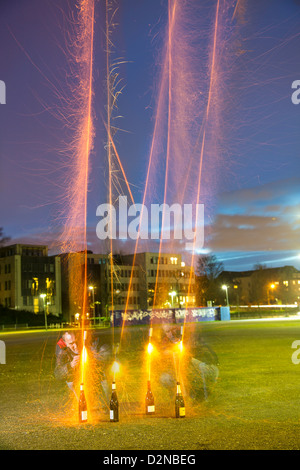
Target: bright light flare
point(115, 368)
point(84, 355)
point(149, 348)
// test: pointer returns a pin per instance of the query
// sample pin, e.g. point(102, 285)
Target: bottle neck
point(113, 386)
point(149, 385)
point(178, 388)
point(81, 387)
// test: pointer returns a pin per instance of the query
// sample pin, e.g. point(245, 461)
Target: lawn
point(254, 403)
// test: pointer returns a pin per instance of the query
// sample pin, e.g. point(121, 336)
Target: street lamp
point(172, 294)
point(93, 294)
point(226, 289)
point(43, 296)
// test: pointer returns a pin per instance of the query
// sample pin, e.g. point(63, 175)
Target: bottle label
point(84, 416)
point(181, 411)
point(151, 409)
point(111, 414)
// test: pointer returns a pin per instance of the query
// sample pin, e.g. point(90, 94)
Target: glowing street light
point(172, 294)
point(43, 296)
point(224, 287)
point(272, 287)
point(92, 288)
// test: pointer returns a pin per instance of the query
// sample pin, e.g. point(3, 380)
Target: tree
point(3, 239)
point(261, 278)
point(208, 270)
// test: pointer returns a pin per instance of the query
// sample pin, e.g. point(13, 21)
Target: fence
point(140, 317)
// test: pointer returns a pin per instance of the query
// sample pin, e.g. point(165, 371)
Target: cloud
point(264, 199)
point(258, 219)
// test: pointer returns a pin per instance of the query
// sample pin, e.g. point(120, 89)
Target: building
point(263, 286)
point(106, 286)
point(30, 279)
point(174, 281)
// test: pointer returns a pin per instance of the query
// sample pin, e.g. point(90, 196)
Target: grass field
point(255, 403)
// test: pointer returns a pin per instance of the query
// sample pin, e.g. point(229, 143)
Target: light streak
point(109, 153)
point(115, 368)
point(171, 13)
point(150, 348)
point(74, 235)
point(83, 357)
point(211, 82)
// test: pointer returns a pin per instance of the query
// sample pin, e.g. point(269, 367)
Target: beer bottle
point(82, 406)
point(179, 403)
point(114, 405)
point(150, 407)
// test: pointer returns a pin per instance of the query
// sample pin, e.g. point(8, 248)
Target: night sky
point(253, 211)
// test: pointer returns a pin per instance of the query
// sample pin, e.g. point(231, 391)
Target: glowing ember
point(115, 367)
point(150, 348)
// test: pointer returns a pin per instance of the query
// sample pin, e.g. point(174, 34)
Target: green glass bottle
point(114, 405)
point(82, 406)
point(179, 403)
point(150, 407)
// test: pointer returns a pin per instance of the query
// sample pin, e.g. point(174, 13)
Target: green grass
point(255, 403)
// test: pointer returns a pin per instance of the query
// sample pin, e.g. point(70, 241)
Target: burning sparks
point(79, 121)
point(115, 368)
point(182, 143)
point(150, 348)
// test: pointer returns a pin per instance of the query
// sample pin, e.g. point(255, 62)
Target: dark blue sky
point(253, 213)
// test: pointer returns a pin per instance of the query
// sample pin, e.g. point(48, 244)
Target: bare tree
point(208, 270)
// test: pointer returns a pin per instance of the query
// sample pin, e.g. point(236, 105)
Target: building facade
point(120, 285)
point(30, 279)
point(264, 286)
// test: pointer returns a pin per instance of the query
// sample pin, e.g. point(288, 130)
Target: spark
point(74, 235)
point(150, 348)
point(170, 63)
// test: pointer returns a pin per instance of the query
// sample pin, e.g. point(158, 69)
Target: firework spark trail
point(214, 70)
point(74, 236)
point(112, 92)
point(110, 138)
point(157, 123)
point(171, 15)
point(109, 152)
point(211, 85)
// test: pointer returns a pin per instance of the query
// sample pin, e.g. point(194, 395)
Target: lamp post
point(92, 288)
point(172, 294)
point(226, 290)
point(93, 294)
point(43, 296)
